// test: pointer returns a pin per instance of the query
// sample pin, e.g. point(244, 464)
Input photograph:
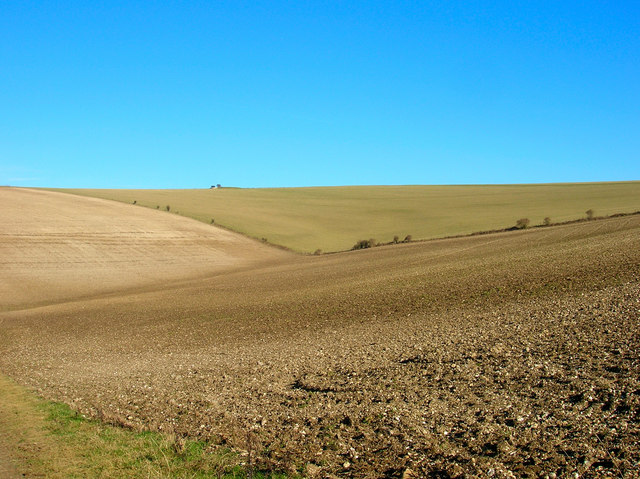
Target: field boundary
point(515, 228)
point(482, 233)
point(42, 438)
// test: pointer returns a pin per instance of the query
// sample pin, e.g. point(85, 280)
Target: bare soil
point(505, 355)
point(7, 469)
point(57, 246)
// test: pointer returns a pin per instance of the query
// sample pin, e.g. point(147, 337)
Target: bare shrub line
point(522, 223)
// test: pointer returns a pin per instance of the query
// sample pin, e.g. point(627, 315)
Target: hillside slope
point(506, 355)
point(55, 246)
point(335, 218)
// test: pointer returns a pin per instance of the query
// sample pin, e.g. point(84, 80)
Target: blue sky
point(188, 94)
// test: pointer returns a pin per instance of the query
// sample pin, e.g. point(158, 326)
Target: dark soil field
point(505, 355)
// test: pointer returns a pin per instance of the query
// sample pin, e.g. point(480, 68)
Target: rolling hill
point(56, 246)
point(453, 356)
point(335, 218)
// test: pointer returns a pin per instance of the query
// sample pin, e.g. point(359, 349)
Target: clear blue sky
point(187, 94)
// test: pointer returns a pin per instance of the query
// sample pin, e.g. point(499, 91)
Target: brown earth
point(7, 469)
point(56, 246)
point(505, 355)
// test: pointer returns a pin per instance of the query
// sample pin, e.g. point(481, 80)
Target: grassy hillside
point(334, 218)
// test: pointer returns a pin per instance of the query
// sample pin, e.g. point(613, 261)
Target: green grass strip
point(40, 438)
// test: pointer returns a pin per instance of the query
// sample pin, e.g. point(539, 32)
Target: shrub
point(168, 208)
point(157, 207)
point(407, 239)
point(396, 238)
point(522, 223)
point(590, 214)
point(363, 244)
point(317, 252)
point(212, 221)
point(134, 202)
point(547, 221)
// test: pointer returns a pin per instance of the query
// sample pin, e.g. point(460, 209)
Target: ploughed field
point(507, 355)
point(56, 246)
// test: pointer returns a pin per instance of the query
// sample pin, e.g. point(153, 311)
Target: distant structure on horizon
point(215, 187)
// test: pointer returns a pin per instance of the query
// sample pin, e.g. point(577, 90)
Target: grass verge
point(40, 438)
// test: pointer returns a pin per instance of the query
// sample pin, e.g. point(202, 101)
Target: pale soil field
point(55, 246)
point(335, 218)
point(503, 355)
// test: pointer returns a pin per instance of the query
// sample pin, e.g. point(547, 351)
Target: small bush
point(590, 214)
point(168, 208)
point(407, 239)
point(212, 221)
point(396, 238)
point(317, 252)
point(547, 221)
point(134, 202)
point(264, 240)
point(157, 207)
point(522, 223)
point(363, 244)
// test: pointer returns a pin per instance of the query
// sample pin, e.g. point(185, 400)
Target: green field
point(334, 218)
